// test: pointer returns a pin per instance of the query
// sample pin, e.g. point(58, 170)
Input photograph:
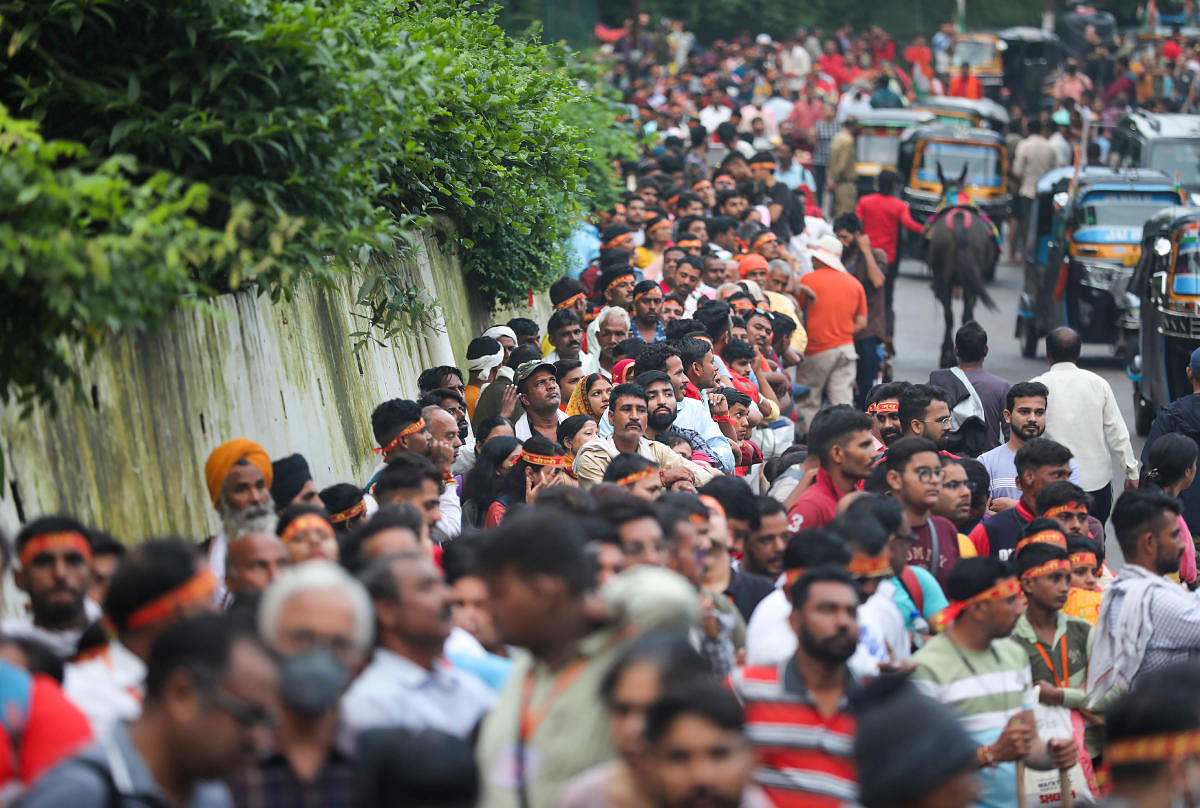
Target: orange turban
point(750, 263)
point(223, 458)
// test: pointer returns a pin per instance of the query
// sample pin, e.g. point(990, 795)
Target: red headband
point(64, 540)
point(1069, 507)
point(1004, 589)
point(544, 460)
point(1049, 568)
point(570, 301)
point(1051, 537)
point(1081, 559)
point(1153, 748)
point(408, 430)
point(619, 279)
point(629, 479)
point(200, 587)
point(887, 406)
point(349, 513)
point(865, 566)
point(304, 522)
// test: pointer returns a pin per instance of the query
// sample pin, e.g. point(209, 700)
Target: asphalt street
point(919, 333)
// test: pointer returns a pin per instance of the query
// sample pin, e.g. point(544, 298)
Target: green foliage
point(324, 130)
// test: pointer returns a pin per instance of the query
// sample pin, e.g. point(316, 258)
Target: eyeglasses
point(927, 475)
point(945, 420)
point(243, 712)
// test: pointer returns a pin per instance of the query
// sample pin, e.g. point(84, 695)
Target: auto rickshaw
point(1167, 283)
point(924, 148)
point(982, 112)
point(1071, 26)
point(984, 52)
point(1092, 243)
point(877, 145)
point(1031, 59)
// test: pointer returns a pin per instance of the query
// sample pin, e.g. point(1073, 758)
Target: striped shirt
point(804, 758)
point(984, 688)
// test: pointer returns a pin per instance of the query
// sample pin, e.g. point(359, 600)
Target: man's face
point(245, 486)
point(691, 552)
point(777, 280)
point(424, 499)
point(458, 412)
point(703, 374)
point(855, 455)
point(936, 422)
point(759, 329)
point(679, 378)
point(56, 580)
point(687, 278)
point(642, 542)
point(1048, 591)
point(306, 496)
point(444, 427)
point(1027, 417)
point(567, 341)
point(628, 415)
point(1033, 481)
point(724, 183)
point(739, 416)
point(635, 212)
point(204, 732)
point(257, 559)
point(316, 540)
point(389, 541)
point(697, 764)
point(827, 621)
point(714, 271)
point(422, 613)
point(415, 442)
point(764, 548)
point(739, 366)
point(920, 484)
point(103, 567)
point(887, 424)
point(452, 381)
point(611, 332)
point(735, 206)
point(848, 242)
point(661, 406)
point(1165, 542)
point(620, 294)
point(1073, 521)
point(533, 340)
point(322, 618)
point(1001, 615)
point(647, 488)
point(541, 392)
point(954, 502)
point(671, 311)
point(648, 306)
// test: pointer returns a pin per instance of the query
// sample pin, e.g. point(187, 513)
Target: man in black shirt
point(778, 198)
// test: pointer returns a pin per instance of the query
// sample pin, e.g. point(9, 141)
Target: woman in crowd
point(493, 427)
point(542, 464)
point(1170, 468)
point(307, 533)
point(567, 372)
point(576, 431)
point(495, 458)
point(590, 397)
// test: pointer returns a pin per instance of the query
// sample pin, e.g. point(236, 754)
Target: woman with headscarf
point(495, 458)
point(590, 397)
point(542, 464)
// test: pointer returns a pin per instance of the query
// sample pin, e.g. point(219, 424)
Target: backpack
point(968, 433)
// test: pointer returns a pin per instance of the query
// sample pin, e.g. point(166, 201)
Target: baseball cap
point(527, 369)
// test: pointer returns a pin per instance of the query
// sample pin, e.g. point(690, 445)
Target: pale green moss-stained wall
point(131, 460)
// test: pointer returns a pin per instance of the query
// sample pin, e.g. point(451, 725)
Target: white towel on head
point(498, 331)
point(484, 364)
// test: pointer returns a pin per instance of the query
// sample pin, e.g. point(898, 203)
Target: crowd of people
point(684, 543)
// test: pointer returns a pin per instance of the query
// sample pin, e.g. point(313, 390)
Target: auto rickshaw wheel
point(1143, 415)
point(1027, 328)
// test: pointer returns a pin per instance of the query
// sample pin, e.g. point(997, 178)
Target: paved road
point(919, 335)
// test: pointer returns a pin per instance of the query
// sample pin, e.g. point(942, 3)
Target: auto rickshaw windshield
point(1177, 156)
point(974, 52)
point(1121, 209)
point(982, 162)
point(880, 146)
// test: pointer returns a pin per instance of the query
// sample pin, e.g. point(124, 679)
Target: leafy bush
point(326, 131)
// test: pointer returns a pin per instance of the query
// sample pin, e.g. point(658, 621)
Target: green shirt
point(1077, 634)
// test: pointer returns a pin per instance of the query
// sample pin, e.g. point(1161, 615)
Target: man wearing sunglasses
point(210, 688)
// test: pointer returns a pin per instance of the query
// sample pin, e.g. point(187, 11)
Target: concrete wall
point(130, 459)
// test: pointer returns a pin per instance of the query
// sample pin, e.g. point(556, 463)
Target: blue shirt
point(931, 594)
point(692, 414)
point(660, 332)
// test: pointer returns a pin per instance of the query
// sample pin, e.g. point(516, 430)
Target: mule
point(961, 252)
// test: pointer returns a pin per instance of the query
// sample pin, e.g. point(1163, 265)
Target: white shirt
point(1077, 397)
point(64, 642)
point(522, 429)
point(108, 688)
point(769, 636)
point(1062, 149)
point(396, 692)
point(451, 522)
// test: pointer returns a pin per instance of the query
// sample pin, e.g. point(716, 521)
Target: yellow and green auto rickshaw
point(984, 52)
point(972, 112)
point(1167, 285)
point(877, 145)
point(981, 152)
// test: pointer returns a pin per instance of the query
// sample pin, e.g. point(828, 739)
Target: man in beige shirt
point(843, 178)
point(628, 411)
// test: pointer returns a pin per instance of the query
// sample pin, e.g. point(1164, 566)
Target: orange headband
point(1049, 568)
point(629, 479)
point(763, 164)
point(1153, 748)
point(697, 186)
point(1004, 589)
point(742, 305)
point(1070, 507)
point(640, 295)
point(200, 587)
point(65, 540)
point(702, 337)
point(865, 566)
point(308, 520)
point(688, 242)
point(544, 460)
point(1081, 559)
point(713, 505)
point(619, 279)
point(570, 301)
point(1043, 537)
point(764, 238)
point(349, 513)
point(408, 430)
point(887, 406)
point(723, 176)
point(791, 576)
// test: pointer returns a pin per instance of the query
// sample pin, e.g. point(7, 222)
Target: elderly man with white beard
point(239, 475)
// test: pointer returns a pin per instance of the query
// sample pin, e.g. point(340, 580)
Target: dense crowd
point(684, 543)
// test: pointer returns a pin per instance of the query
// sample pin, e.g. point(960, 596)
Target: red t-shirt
point(881, 217)
point(971, 88)
point(817, 506)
